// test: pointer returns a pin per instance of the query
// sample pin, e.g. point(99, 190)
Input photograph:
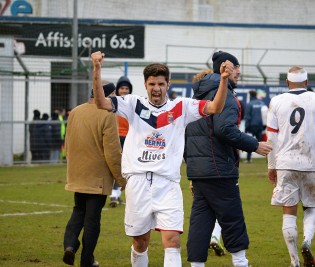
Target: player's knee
point(171, 240)
point(140, 243)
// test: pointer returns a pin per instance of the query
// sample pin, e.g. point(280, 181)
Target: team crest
point(170, 117)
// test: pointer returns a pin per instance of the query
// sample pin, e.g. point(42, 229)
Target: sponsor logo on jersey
point(149, 156)
point(155, 140)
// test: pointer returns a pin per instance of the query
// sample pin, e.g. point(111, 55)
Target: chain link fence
point(50, 87)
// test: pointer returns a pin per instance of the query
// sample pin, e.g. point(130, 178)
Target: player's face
point(156, 89)
point(235, 75)
point(123, 90)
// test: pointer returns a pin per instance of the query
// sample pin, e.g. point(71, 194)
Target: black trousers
point(216, 199)
point(86, 214)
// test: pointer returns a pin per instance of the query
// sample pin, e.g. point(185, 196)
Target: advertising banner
point(56, 39)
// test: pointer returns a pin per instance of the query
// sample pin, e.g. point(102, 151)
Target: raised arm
point(101, 101)
point(216, 106)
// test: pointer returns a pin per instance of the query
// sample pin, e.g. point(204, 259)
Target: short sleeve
point(125, 105)
point(272, 121)
point(193, 109)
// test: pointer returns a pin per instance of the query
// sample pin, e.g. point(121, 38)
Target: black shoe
point(95, 264)
point(308, 257)
point(68, 256)
point(216, 246)
point(113, 202)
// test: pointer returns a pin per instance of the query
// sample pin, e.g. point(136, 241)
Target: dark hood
point(208, 83)
point(123, 81)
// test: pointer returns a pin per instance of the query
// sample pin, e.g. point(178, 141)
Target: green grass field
point(34, 210)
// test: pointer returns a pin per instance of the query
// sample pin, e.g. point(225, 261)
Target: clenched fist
point(226, 69)
point(97, 59)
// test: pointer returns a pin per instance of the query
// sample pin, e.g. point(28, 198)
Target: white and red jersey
point(155, 140)
point(291, 131)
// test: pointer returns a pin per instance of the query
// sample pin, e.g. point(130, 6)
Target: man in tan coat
point(93, 154)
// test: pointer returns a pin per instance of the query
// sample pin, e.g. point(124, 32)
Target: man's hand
point(122, 188)
point(122, 184)
point(100, 100)
point(272, 176)
point(263, 148)
point(226, 69)
point(97, 59)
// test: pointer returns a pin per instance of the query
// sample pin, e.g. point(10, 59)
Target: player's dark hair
point(252, 93)
point(156, 69)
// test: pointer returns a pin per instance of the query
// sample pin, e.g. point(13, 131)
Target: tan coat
point(93, 151)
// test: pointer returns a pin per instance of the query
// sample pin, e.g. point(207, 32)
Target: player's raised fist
point(226, 69)
point(97, 58)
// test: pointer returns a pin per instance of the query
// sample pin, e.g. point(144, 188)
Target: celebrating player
point(152, 156)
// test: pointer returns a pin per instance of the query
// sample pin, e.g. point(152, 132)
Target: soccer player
point(152, 156)
point(254, 119)
point(291, 164)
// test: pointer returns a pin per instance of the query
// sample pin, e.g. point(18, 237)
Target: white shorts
point(293, 187)
point(152, 202)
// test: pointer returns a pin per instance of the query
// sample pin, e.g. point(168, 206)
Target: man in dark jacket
point(44, 138)
point(212, 158)
point(253, 118)
point(34, 135)
point(56, 141)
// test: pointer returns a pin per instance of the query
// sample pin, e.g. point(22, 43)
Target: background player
point(291, 164)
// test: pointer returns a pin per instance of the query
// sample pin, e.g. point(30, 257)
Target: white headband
point(297, 77)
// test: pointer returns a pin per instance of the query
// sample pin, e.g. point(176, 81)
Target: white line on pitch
point(26, 184)
point(36, 203)
point(33, 203)
point(30, 213)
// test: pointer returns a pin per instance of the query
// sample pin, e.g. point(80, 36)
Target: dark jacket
point(253, 117)
point(44, 139)
point(212, 143)
point(34, 135)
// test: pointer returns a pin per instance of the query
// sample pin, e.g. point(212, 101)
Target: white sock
point(309, 224)
point(139, 259)
point(172, 257)
point(119, 191)
point(216, 233)
point(290, 235)
point(197, 264)
point(116, 193)
point(239, 259)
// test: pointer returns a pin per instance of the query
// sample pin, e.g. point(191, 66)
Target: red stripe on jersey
point(202, 104)
point(269, 129)
point(168, 117)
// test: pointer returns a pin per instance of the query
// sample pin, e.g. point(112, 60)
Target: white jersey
point(155, 140)
point(291, 130)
